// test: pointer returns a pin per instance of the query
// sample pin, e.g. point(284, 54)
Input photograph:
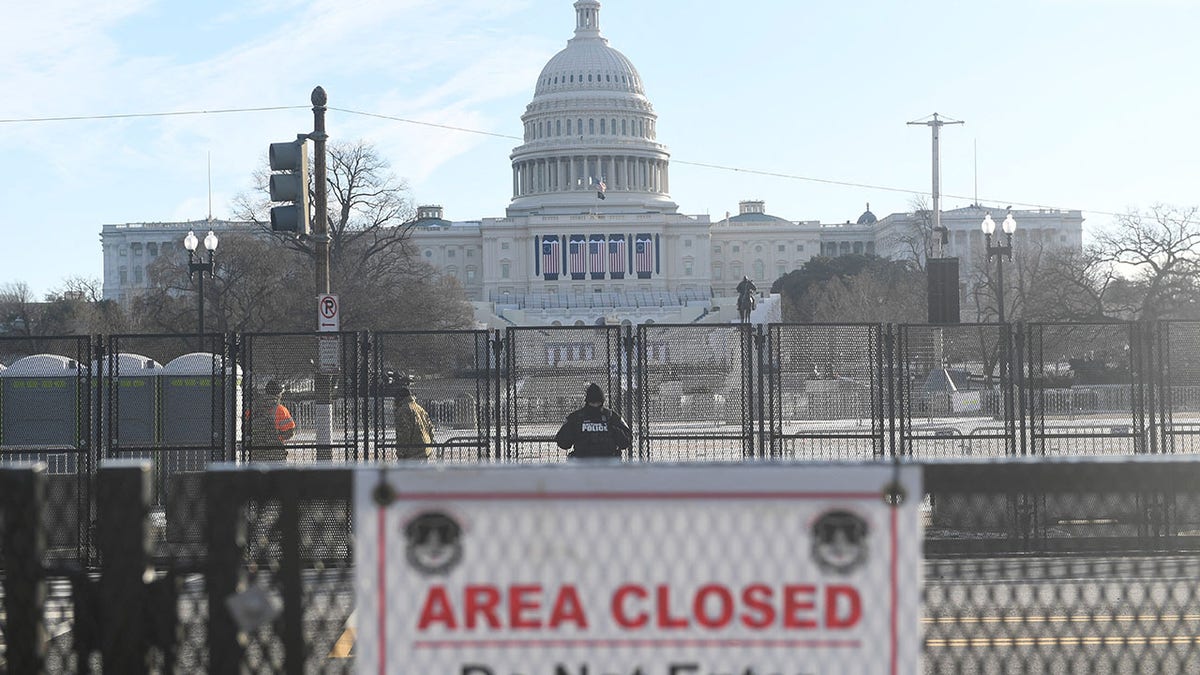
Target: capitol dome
point(867, 218)
point(590, 141)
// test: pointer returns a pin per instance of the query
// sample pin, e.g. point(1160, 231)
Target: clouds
point(420, 59)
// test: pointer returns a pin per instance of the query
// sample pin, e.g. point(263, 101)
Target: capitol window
point(589, 77)
point(737, 249)
point(558, 127)
point(591, 126)
point(504, 246)
point(602, 125)
point(428, 253)
point(470, 274)
point(450, 253)
point(781, 248)
point(687, 243)
point(623, 132)
point(572, 78)
point(799, 248)
point(504, 270)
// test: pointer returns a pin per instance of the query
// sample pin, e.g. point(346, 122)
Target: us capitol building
point(592, 235)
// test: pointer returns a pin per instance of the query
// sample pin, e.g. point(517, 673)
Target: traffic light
point(289, 183)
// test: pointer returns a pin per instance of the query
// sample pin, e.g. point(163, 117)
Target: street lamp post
point(1000, 252)
point(196, 264)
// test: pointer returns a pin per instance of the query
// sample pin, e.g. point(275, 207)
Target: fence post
point(290, 580)
point(24, 541)
point(760, 341)
point(123, 503)
point(503, 372)
point(226, 541)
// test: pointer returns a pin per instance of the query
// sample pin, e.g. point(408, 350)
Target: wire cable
point(448, 127)
point(169, 113)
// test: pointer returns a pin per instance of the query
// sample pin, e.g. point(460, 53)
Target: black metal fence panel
point(1179, 373)
point(453, 375)
point(953, 387)
point(827, 391)
point(1087, 389)
point(323, 392)
point(546, 371)
point(693, 392)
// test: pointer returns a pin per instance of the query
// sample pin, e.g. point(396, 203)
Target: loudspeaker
point(942, 289)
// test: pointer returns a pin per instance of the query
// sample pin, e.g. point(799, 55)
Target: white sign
point(651, 569)
point(328, 313)
point(329, 354)
point(966, 401)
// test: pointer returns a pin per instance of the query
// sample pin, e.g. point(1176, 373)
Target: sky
point(1070, 104)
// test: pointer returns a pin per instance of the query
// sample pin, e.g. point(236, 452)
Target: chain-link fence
point(1071, 565)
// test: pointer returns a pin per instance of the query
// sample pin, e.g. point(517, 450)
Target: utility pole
point(936, 123)
point(323, 408)
point(320, 234)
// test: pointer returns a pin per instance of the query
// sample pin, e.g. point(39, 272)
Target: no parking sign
point(329, 317)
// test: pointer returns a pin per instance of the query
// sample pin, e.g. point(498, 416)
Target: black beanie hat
point(594, 394)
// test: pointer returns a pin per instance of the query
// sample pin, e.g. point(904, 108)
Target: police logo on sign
point(434, 543)
point(839, 541)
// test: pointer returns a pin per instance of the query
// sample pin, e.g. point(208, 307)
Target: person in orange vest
point(271, 424)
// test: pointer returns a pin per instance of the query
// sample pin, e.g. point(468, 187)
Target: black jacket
point(594, 432)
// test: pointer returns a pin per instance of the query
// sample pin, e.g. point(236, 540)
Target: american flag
point(550, 257)
point(600, 188)
point(616, 256)
point(643, 256)
point(577, 256)
point(596, 255)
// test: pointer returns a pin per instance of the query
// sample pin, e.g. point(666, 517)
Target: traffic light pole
point(320, 236)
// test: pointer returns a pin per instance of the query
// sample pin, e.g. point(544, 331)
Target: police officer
point(593, 430)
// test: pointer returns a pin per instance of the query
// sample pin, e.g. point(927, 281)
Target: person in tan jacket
point(414, 429)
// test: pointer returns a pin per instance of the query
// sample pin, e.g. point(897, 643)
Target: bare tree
point(1158, 252)
point(913, 239)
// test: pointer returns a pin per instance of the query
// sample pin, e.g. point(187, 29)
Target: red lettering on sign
point(568, 608)
point(835, 620)
point(484, 605)
point(724, 600)
point(797, 599)
point(482, 601)
point(436, 609)
point(521, 601)
point(665, 620)
point(618, 606)
point(760, 613)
